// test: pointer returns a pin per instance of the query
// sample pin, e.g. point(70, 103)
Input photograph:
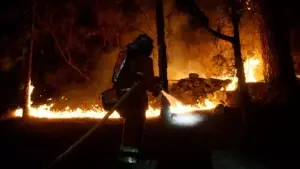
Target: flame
point(250, 67)
point(176, 107)
point(45, 111)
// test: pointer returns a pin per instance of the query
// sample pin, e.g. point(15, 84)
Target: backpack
point(141, 46)
point(119, 65)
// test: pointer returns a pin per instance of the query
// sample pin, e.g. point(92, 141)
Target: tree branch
point(65, 58)
point(219, 34)
point(62, 53)
point(201, 20)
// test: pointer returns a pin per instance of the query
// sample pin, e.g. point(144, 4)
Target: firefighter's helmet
point(143, 45)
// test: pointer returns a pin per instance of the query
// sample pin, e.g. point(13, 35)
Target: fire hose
point(165, 116)
point(94, 128)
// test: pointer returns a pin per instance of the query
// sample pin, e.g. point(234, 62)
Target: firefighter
point(134, 65)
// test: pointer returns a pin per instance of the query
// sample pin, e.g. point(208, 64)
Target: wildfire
point(45, 111)
point(250, 67)
point(176, 107)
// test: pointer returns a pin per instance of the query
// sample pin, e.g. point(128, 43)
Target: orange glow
point(45, 111)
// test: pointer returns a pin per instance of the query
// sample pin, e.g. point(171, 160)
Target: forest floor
point(214, 143)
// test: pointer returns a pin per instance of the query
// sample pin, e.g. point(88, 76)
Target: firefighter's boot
point(128, 157)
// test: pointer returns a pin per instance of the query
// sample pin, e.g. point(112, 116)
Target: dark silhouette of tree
point(279, 69)
point(161, 44)
point(162, 53)
point(280, 74)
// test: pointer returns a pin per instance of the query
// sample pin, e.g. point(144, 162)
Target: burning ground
point(197, 94)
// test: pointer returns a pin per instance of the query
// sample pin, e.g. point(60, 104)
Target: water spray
point(180, 119)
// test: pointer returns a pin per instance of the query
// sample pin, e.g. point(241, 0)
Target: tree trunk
point(280, 75)
point(271, 70)
point(27, 101)
point(242, 88)
point(279, 69)
point(162, 54)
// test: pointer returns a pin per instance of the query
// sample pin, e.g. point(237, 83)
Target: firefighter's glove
point(139, 76)
point(157, 86)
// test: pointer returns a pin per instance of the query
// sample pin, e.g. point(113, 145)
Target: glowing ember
point(176, 107)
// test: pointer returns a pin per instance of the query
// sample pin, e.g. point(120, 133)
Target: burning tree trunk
point(162, 54)
point(28, 67)
point(279, 68)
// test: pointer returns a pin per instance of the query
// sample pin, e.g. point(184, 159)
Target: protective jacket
point(134, 66)
point(131, 68)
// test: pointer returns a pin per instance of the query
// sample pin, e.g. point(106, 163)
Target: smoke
point(189, 50)
point(186, 48)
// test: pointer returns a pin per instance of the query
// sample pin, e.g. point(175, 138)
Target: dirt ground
point(35, 143)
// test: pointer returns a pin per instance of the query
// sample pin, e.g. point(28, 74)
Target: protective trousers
point(134, 118)
point(131, 142)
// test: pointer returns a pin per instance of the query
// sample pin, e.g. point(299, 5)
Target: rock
point(210, 89)
point(193, 76)
point(198, 90)
point(232, 99)
point(184, 83)
point(221, 95)
point(219, 109)
point(191, 89)
point(210, 96)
